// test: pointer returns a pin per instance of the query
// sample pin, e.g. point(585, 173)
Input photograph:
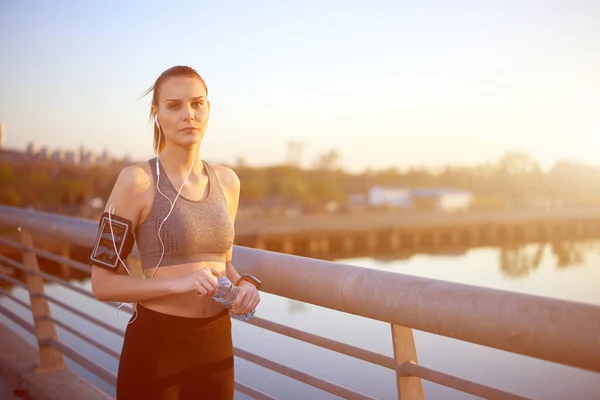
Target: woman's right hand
point(204, 282)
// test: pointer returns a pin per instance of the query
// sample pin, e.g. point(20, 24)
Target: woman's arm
point(128, 197)
point(230, 182)
point(248, 297)
point(109, 286)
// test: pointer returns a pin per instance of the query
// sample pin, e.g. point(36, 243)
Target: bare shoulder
point(228, 179)
point(134, 177)
point(130, 194)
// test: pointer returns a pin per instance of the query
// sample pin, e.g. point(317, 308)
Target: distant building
point(82, 153)
point(57, 156)
point(71, 157)
point(441, 199)
point(44, 154)
point(30, 150)
point(88, 159)
point(421, 199)
point(104, 158)
point(380, 196)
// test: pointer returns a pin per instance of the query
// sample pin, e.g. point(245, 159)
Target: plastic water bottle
point(226, 295)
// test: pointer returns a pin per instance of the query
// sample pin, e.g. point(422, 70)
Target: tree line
point(514, 180)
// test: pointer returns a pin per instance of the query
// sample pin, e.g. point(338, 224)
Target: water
point(564, 270)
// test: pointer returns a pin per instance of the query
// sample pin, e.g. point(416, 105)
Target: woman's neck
point(178, 160)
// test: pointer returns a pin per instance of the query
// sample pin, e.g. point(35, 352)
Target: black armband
point(120, 237)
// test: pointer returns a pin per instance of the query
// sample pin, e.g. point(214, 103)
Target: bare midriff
point(190, 304)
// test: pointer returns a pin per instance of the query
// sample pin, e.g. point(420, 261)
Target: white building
point(380, 196)
point(442, 199)
point(425, 199)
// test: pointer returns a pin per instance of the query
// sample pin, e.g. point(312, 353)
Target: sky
point(384, 83)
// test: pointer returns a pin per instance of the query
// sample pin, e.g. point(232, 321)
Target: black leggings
point(167, 357)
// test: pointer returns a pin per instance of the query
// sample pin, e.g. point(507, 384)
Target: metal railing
point(554, 330)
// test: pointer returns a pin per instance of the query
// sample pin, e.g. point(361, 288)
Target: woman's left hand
point(247, 299)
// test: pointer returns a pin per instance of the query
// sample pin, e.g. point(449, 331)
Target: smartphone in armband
point(119, 238)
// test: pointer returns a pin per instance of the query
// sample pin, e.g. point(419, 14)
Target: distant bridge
point(322, 236)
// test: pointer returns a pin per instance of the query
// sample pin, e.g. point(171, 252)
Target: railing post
point(65, 270)
point(51, 359)
point(409, 387)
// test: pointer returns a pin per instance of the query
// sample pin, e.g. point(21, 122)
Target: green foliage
point(45, 185)
point(515, 179)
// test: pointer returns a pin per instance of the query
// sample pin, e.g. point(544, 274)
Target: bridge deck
point(404, 221)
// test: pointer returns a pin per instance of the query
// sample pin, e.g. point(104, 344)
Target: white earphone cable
point(169, 200)
point(111, 210)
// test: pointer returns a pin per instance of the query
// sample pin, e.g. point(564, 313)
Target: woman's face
point(183, 111)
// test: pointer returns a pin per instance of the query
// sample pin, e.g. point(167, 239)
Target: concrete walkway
point(6, 391)
point(18, 359)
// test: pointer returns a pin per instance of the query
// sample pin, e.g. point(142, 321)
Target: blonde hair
point(173, 72)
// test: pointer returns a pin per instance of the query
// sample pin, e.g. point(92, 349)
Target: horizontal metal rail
point(19, 265)
point(87, 339)
point(14, 281)
point(69, 308)
point(90, 365)
point(63, 228)
point(255, 394)
point(285, 370)
point(408, 369)
point(62, 282)
point(49, 255)
point(330, 344)
point(66, 327)
point(17, 320)
point(411, 369)
point(307, 337)
point(301, 376)
point(98, 370)
point(83, 292)
point(463, 385)
point(290, 372)
point(549, 329)
point(83, 315)
point(515, 322)
point(15, 299)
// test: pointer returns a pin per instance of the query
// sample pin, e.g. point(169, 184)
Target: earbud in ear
point(156, 120)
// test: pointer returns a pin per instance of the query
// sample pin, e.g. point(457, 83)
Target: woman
point(182, 209)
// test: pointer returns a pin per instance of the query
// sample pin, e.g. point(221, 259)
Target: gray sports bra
point(195, 231)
